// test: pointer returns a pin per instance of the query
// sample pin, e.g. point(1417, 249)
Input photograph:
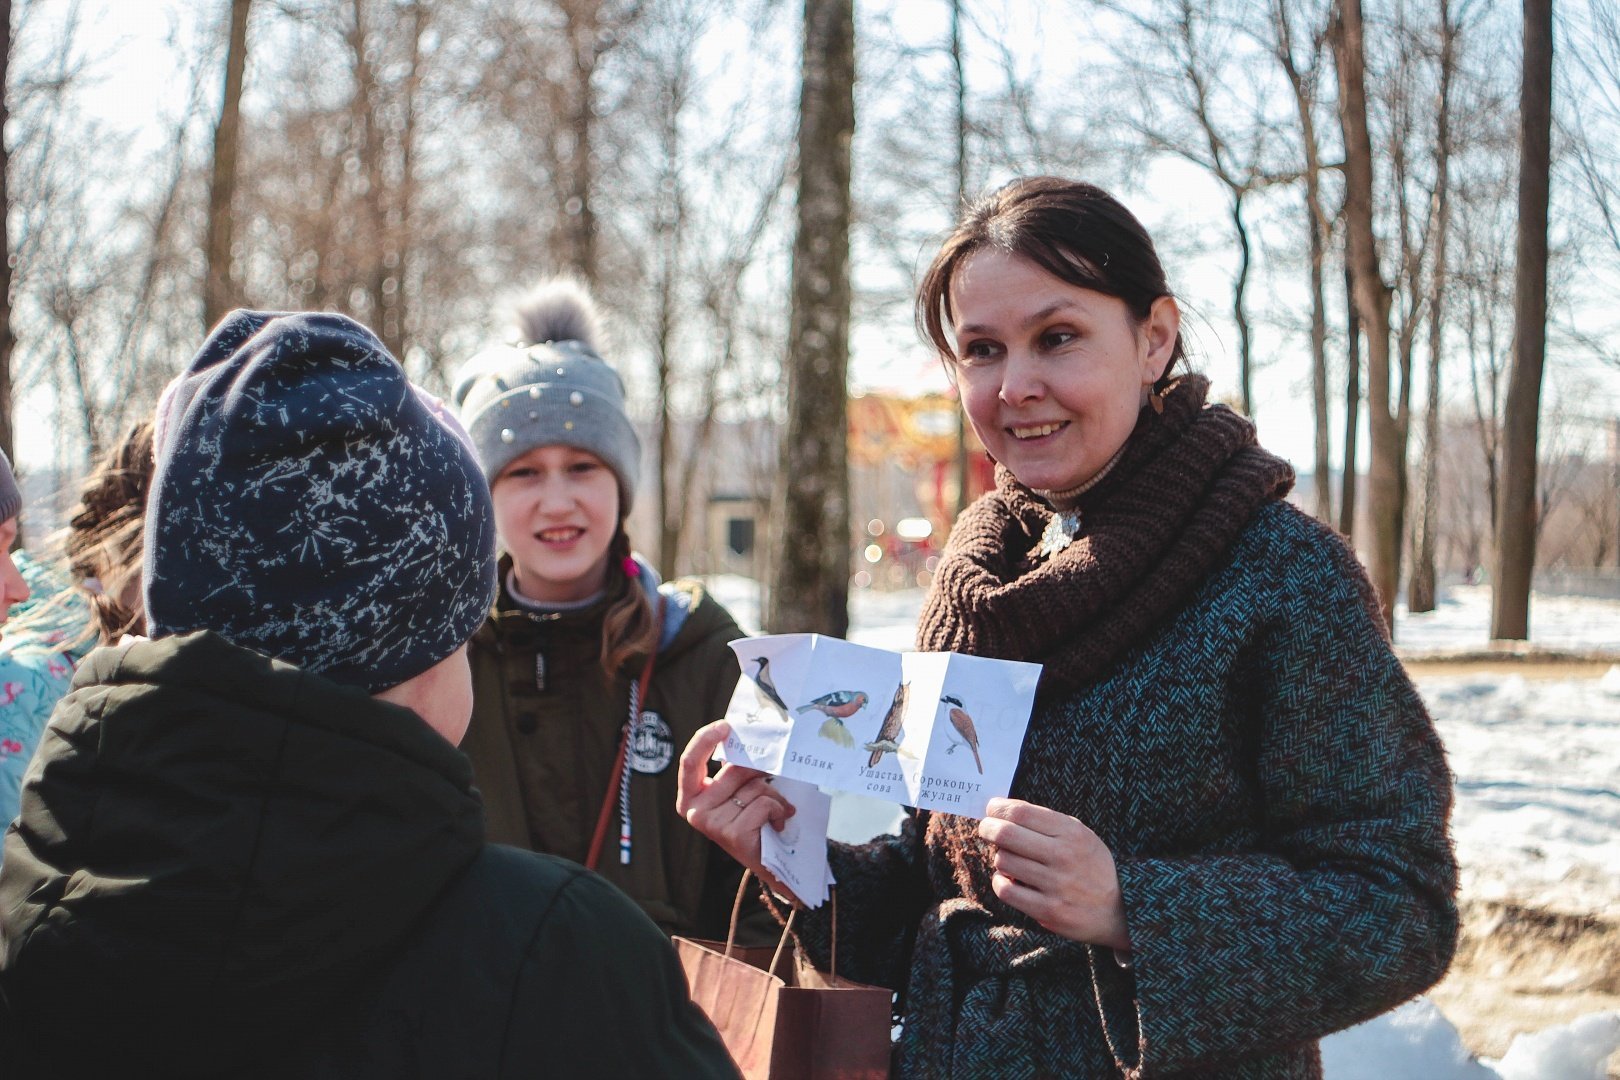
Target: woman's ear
point(1160, 332)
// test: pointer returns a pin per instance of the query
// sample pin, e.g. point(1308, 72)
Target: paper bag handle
point(787, 927)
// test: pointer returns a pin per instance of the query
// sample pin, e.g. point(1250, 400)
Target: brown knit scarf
point(1156, 527)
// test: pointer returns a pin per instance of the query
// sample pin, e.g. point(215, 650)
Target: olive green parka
point(546, 726)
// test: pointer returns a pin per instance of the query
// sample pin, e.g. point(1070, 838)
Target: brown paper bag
point(799, 1024)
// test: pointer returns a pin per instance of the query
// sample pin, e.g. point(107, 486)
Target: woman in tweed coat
point(1227, 837)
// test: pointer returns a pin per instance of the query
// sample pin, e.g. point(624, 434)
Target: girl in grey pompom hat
point(588, 675)
point(553, 389)
point(547, 419)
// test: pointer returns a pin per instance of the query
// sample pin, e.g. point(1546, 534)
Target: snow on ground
point(1573, 1051)
point(1462, 620)
point(1417, 1036)
point(1537, 813)
point(1537, 816)
point(1416, 1041)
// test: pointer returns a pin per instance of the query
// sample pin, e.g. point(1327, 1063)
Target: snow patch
point(1415, 1040)
point(1462, 620)
point(1578, 1050)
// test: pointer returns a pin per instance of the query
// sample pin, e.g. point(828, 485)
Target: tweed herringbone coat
point(1276, 800)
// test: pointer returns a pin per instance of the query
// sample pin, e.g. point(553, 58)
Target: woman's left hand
point(1055, 870)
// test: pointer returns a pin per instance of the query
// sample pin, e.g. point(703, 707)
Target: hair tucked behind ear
point(104, 540)
point(630, 629)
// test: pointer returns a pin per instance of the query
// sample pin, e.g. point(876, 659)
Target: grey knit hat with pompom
point(552, 388)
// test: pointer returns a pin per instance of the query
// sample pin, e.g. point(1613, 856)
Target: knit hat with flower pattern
point(550, 389)
point(10, 493)
point(308, 504)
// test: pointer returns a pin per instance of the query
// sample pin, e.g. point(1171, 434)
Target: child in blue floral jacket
point(66, 611)
point(37, 660)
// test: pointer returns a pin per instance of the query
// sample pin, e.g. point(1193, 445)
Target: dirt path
point(1418, 666)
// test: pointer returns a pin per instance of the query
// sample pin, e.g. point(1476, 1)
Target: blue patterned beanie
point(10, 493)
point(308, 505)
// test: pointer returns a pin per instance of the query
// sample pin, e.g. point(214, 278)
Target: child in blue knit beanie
point(248, 845)
point(13, 589)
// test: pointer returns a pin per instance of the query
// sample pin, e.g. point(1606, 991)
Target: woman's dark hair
point(1076, 232)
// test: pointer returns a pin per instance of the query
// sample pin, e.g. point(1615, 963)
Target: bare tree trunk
point(670, 512)
point(1239, 314)
point(670, 233)
point(7, 339)
point(1390, 431)
point(810, 587)
point(367, 124)
point(1516, 519)
point(1421, 595)
point(1485, 402)
point(1319, 371)
point(89, 408)
point(364, 142)
point(1316, 221)
point(1385, 471)
point(400, 240)
point(219, 284)
point(961, 200)
point(583, 18)
point(1352, 401)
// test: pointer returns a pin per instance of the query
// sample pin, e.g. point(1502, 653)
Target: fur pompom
point(557, 310)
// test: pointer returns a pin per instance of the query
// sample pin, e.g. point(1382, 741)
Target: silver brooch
point(1060, 532)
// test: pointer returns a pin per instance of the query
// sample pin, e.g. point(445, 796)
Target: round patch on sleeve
point(652, 747)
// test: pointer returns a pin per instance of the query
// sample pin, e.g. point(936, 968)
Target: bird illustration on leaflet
point(767, 688)
point(889, 735)
point(963, 723)
point(837, 707)
point(806, 710)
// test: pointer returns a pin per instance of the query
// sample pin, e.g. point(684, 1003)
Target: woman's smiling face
point(1052, 375)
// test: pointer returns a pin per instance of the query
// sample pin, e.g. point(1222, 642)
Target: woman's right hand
point(731, 806)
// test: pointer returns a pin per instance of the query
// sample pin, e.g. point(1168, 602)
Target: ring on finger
point(739, 803)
